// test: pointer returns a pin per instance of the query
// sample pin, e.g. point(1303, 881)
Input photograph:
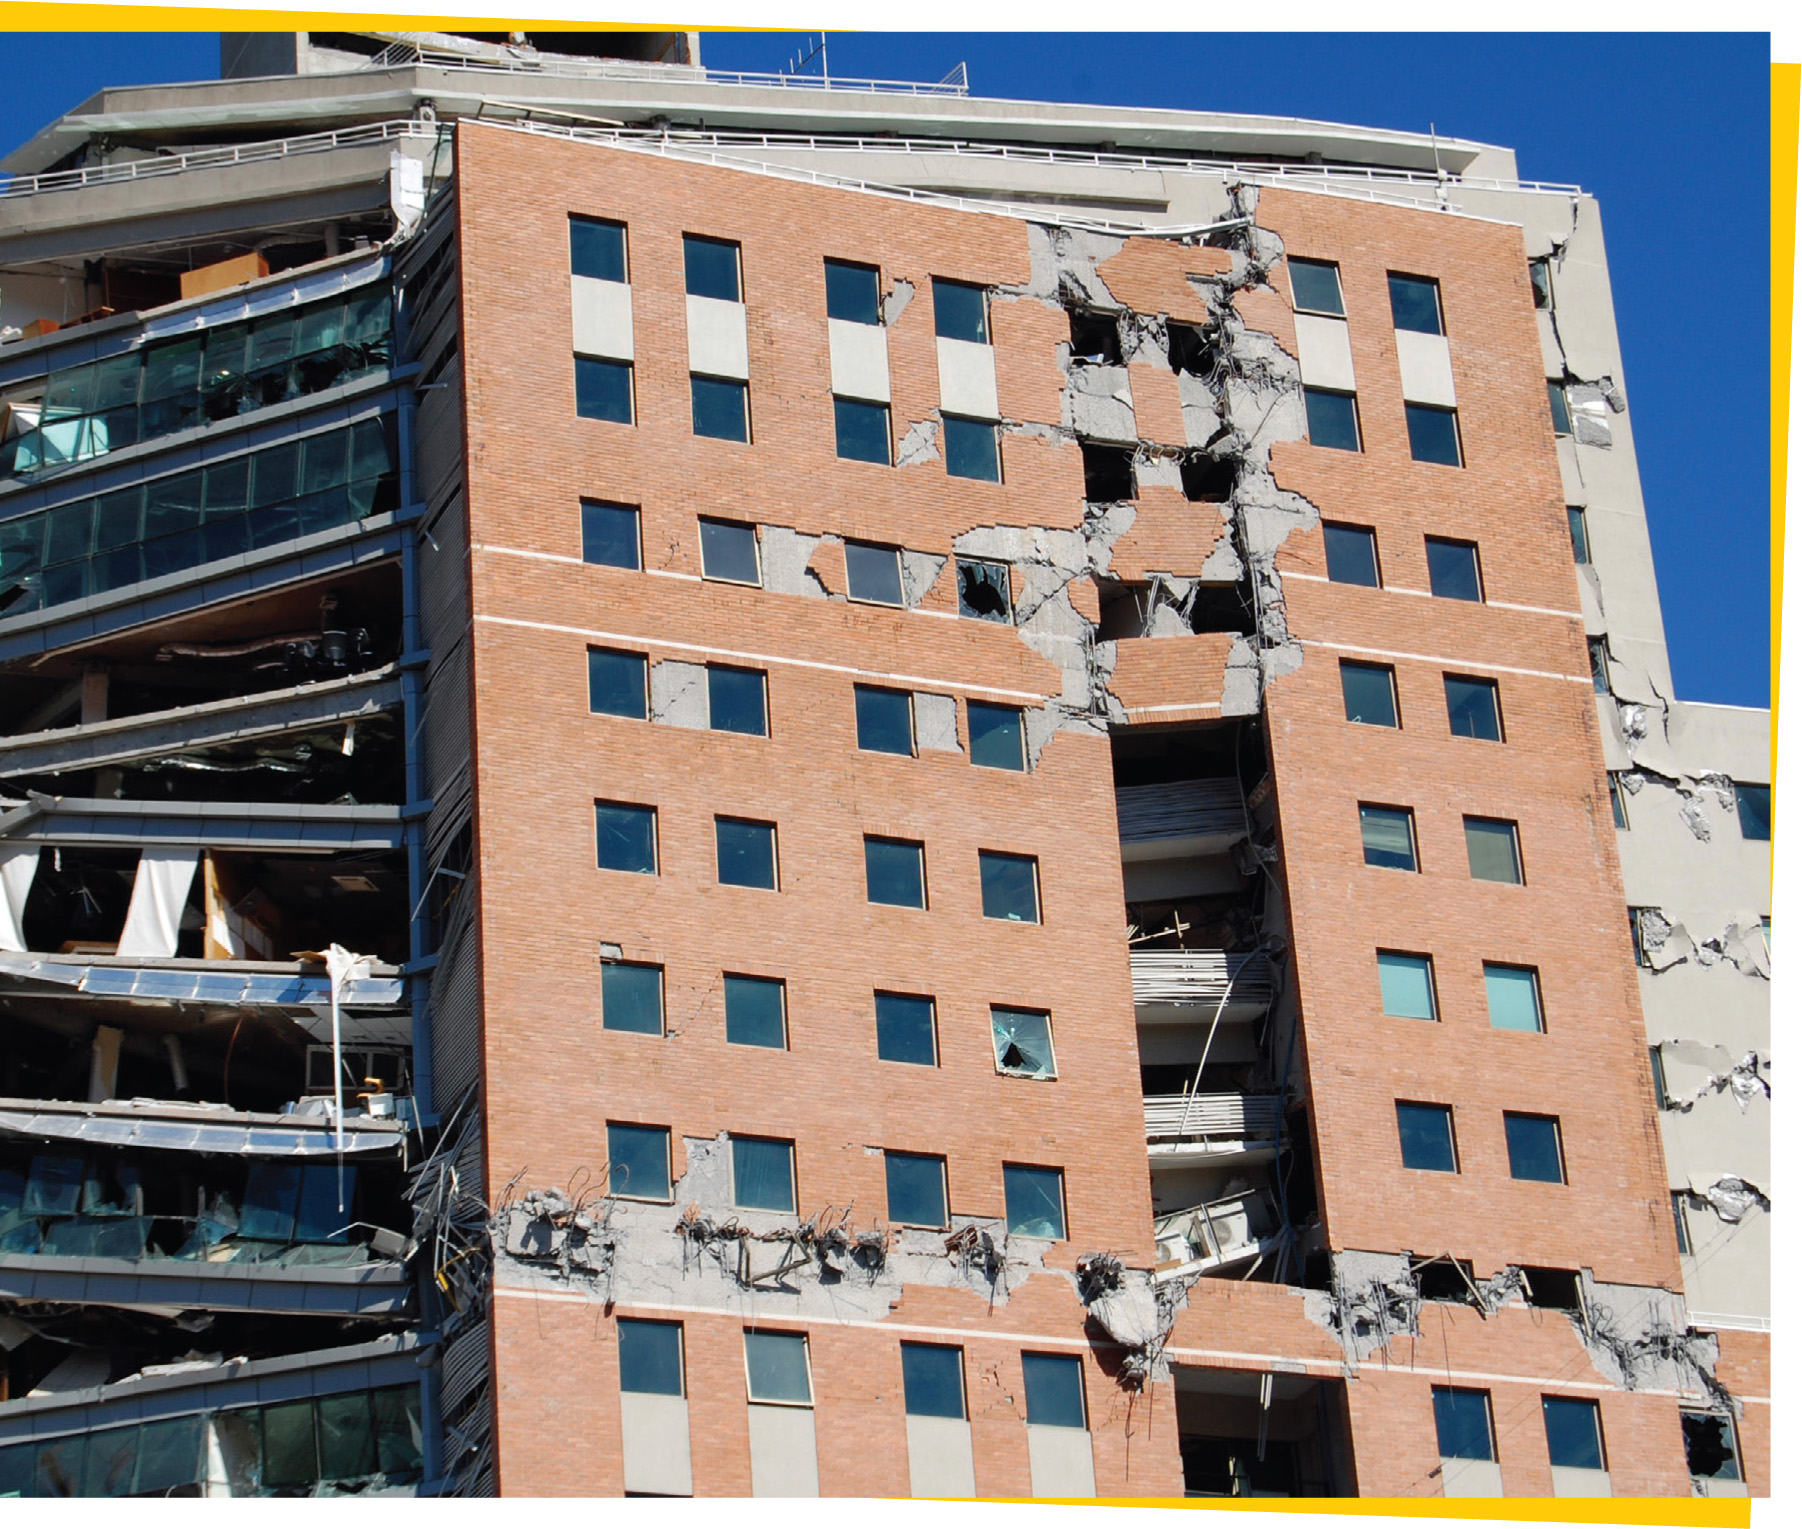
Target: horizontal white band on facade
point(1440, 658)
point(1179, 706)
point(1427, 594)
point(1739, 1322)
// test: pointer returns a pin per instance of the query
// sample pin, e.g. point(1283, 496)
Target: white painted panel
point(1326, 358)
point(1471, 1478)
point(654, 1438)
point(859, 360)
point(940, 1461)
point(1574, 490)
point(1063, 1461)
point(1426, 362)
point(967, 379)
point(784, 1462)
point(716, 338)
point(1549, 348)
point(601, 317)
point(1573, 1481)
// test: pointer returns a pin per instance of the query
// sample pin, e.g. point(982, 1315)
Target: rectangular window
point(710, 267)
point(1493, 845)
point(1332, 419)
point(1433, 435)
point(1560, 406)
point(862, 430)
point(1388, 835)
point(1710, 1446)
point(721, 408)
point(852, 292)
point(1598, 664)
point(763, 1173)
point(1754, 803)
point(1473, 707)
point(1414, 303)
point(632, 998)
point(625, 838)
point(1369, 692)
point(1453, 571)
point(1461, 1416)
point(1316, 287)
point(729, 551)
point(1035, 1200)
point(747, 853)
point(597, 248)
point(873, 573)
point(971, 450)
point(1579, 532)
point(1539, 274)
point(1617, 799)
point(932, 1380)
point(1022, 1042)
point(905, 1031)
point(1351, 555)
point(984, 590)
point(1680, 1215)
point(1054, 1396)
point(895, 872)
point(885, 720)
point(1513, 997)
point(757, 1012)
point(638, 1161)
point(960, 311)
point(604, 389)
point(1107, 473)
point(997, 736)
point(1095, 338)
point(1407, 983)
point(1660, 1094)
point(1534, 1150)
point(736, 702)
point(1426, 1137)
point(650, 1357)
point(776, 1369)
point(610, 534)
point(1636, 922)
point(916, 1189)
point(616, 683)
point(1010, 886)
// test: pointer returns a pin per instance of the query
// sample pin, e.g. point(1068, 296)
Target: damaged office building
point(713, 787)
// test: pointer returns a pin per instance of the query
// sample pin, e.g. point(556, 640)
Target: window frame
point(662, 997)
point(932, 1025)
point(1063, 1201)
point(644, 683)
point(763, 697)
point(635, 511)
point(1295, 301)
point(733, 1138)
point(963, 1389)
point(803, 1338)
point(1081, 1392)
point(944, 1195)
point(858, 692)
point(830, 263)
point(993, 429)
point(715, 242)
point(1431, 283)
point(719, 865)
point(985, 857)
point(656, 868)
point(1001, 1070)
point(987, 336)
point(1558, 404)
point(844, 409)
point(900, 601)
point(1617, 801)
point(681, 1356)
point(1425, 958)
point(1421, 414)
point(1477, 682)
point(587, 220)
point(1476, 567)
point(780, 984)
point(1361, 666)
point(702, 522)
point(919, 847)
point(1376, 563)
point(1488, 1420)
point(1557, 1132)
point(1446, 1112)
point(1539, 282)
point(668, 1196)
point(1006, 618)
point(1018, 714)
point(1744, 791)
point(614, 365)
point(1731, 1429)
point(1577, 517)
point(1309, 394)
point(698, 382)
point(1533, 984)
point(1519, 879)
point(1407, 813)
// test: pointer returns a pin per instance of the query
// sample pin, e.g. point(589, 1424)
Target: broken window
point(710, 267)
point(735, 701)
point(729, 551)
point(1433, 435)
point(1680, 1216)
point(984, 590)
point(1351, 555)
point(1190, 350)
point(895, 872)
point(1534, 1149)
point(905, 1031)
point(1453, 571)
point(626, 838)
point(1513, 993)
point(1461, 1419)
point(1579, 532)
point(604, 389)
point(885, 720)
point(1022, 1040)
point(1636, 923)
point(1414, 303)
point(873, 573)
point(1010, 886)
point(1560, 406)
point(1316, 287)
point(597, 248)
point(1388, 836)
point(997, 736)
point(1426, 1137)
point(757, 1012)
point(763, 1173)
point(1473, 707)
point(1407, 985)
point(1107, 473)
point(1617, 799)
point(721, 407)
point(1660, 1093)
point(1539, 274)
point(1035, 1200)
point(638, 1161)
point(1054, 1391)
point(932, 1380)
point(971, 450)
point(852, 292)
point(610, 534)
point(632, 997)
point(1095, 337)
point(1206, 479)
point(1709, 1446)
point(776, 1368)
point(1493, 846)
point(746, 852)
point(1332, 419)
point(1444, 1279)
point(616, 683)
point(960, 311)
point(862, 430)
point(650, 1357)
point(1754, 804)
point(1369, 692)
point(1598, 664)
point(916, 1189)
point(1552, 1289)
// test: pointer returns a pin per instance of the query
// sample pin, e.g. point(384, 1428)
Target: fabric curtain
point(18, 868)
point(158, 899)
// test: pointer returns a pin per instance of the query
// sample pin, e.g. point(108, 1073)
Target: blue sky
point(1670, 131)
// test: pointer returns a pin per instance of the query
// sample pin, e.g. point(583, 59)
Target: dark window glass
point(616, 683)
point(1054, 1390)
point(997, 736)
point(904, 1030)
point(638, 1161)
point(1035, 1200)
point(609, 534)
point(1433, 435)
point(710, 267)
point(1452, 569)
point(983, 590)
point(851, 293)
point(1474, 708)
point(1414, 301)
point(1560, 406)
point(1462, 1418)
point(604, 389)
point(895, 872)
point(885, 720)
point(1407, 984)
point(1754, 803)
point(597, 248)
point(916, 1189)
point(970, 449)
point(1708, 1445)
point(1494, 849)
point(1617, 799)
point(1332, 419)
point(720, 410)
point(729, 551)
point(1351, 555)
point(755, 1012)
point(1316, 284)
point(735, 701)
point(1579, 533)
point(1533, 1151)
point(626, 838)
point(776, 1367)
point(1022, 1039)
point(1388, 837)
point(632, 998)
point(1010, 886)
point(873, 573)
point(763, 1173)
point(168, 1455)
point(290, 1454)
point(960, 311)
point(1573, 1432)
point(650, 1357)
point(1598, 664)
point(747, 853)
point(112, 1461)
point(1369, 691)
point(1426, 1135)
point(932, 1380)
point(862, 430)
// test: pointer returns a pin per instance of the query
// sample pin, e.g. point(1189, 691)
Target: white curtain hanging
point(158, 899)
point(18, 868)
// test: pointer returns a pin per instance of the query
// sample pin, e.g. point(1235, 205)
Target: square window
point(1513, 997)
point(1534, 1152)
point(1617, 800)
point(885, 720)
point(895, 872)
point(650, 1357)
point(1426, 1137)
point(1095, 338)
point(1369, 691)
point(735, 701)
point(625, 838)
point(1022, 1040)
point(638, 1161)
point(1388, 835)
point(1560, 406)
point(1453, 572)
point(983, 590)
point(721, 408)
point(1539, 275)
point(1351, 555)
point(1010, 886)
point(1598, 664)
point(1709, 1446)
point(971, 450)
point(960, 311)
point(932, 1380)
point(604, 389)
point(1461, 1416)
point(997, 736)
point(776, 1368)
point(851, 292)
point(1316, 287)
point(1754, 803)
point(905, 1031)
point(597, 248)
point(1414, 304)
point(1332, 419)
point(710, 267)
point(1473, 707)
point(1035, 1200)
point(609, 534)
point(1579, 533)
point(632, 998)
point(1107, 473)
point(746, 852)
point(1407, 983)
point(1433, 435)
point(763, 1173)
point(873, 573)
point(616, 683)
point(729, 551)
point(757, 1012)
point(862, 430)
point(1493, 845)
point(1054, 1390)
point(916, 1189)
point(1573, 1433)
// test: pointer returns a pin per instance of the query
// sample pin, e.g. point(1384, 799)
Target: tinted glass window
point(862, 430)
point(916, 1189)
point(1407, 983)
point(1010, 886)
point(1533, 1148)
point(626, 838)
point(1332, 419)
point(1426, 1137)
point(1493, 848)
point(1415, 304)
point(1573, 1432)
point(1388, 835)
point(885, 720)
point(895, 872)
point(1473, 708)
point(1316, 284)
point(1369, 691)
point(1462, 1419)
point(597, 248)
point(1035, 1201)
point(632, 998)
point(1754, 804)
point(747, 853)
point(638, 1161)
point(604, 389)
point(997, 736)
point(1579, 533)
point(851, 293)
point(904, 1030)
point(1513, 997)
point(960, 311)
point(776, 1367)
point(735, 700)
point(609, 534)
point(1351, 555)
point(1560, 406)
point(720, 408)
point(970, 449)
point(1054, 1390)
point(650, 1357)
point(932, 1380)
point(873, 573)
point(710, 267)
point(729, 551)
point(616, 683)
point(1452, 571)
point(755, 1012)
point(1433, 435)
point(763, 1173)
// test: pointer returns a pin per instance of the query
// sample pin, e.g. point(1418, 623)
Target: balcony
point(1198, 1130)
point(1191, 986)
point(1179, 818)
point(1220, 1234)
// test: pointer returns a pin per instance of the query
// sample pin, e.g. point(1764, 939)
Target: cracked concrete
point(679, 693)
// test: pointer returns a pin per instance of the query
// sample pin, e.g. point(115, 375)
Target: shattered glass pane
point(632, 998)
point(1493, 850)
point(346, 1438)
point(626, 838)
point(763, 1174)
point(1452, 572)
point(1332, 419)
point(290, 1455)
point(398, 1441)
point(1053, 1390)
point(650, 1357)
point(1407, 984)
point(1513, 997)
point(729, 551)
point(609, 534)
point(1010, 886)
point(710, 267)
point(597, 249)
point(1573, 1432)
point(885, 720)
point(54, 1187)
point(1414, 304)
point(1316, 284)
point(960, 311)
point(916, 1189)
point(720, 408)
point(168, 1455)
point(982, 590)
point(873, 573)
point(1426, 1137)
point(638, 1161)
point(1433, 435)
point(932, 1380)
point(1462, 1420)
point(895, 872)
point(754, 1012)
point(746, 853)
point(904, 1030)
point(1022, 1040)
point(236, 1439)
point(1388, 837)
point(735, 701)
point(1035, 1201)
point(997, 736)
point(851, 293)
point(776, 1368)
point(604, 389)
point(970, 449)
point(1473, 707)
point(862, 430)
point(108, 1238)
point(325, 1187)
point(271, 1198)
point(1533, 1151)
point(1709, 1446)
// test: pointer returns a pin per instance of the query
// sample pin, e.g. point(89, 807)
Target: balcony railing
point(1216, 1235)
point(1190, 985)
point(1200, 814)
point(1212, 1123)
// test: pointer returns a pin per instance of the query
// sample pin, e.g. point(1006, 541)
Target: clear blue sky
point(1670, 131)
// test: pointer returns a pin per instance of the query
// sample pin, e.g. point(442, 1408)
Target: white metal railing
point(1234, 1117)
point(1200, 977)
point(1179, 809)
